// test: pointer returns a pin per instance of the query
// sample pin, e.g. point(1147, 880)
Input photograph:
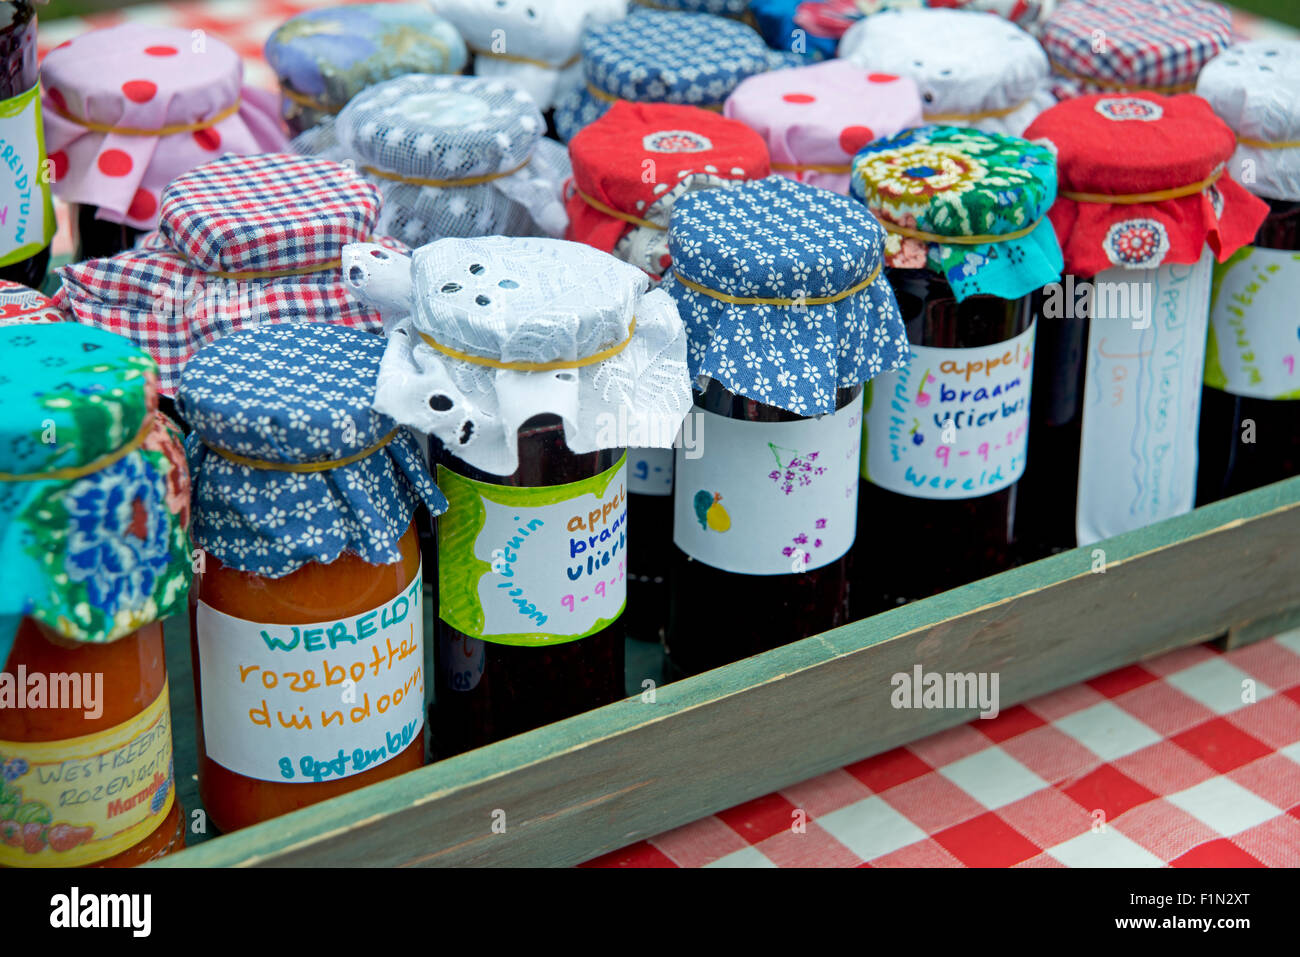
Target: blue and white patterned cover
point(776, 238)
point(292, 393)
point(654, 56)
point(726, 8)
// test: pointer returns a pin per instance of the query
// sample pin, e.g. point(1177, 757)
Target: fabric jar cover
point(815, 118)
point(722, 8)
point(1027, 14)
point(326, 57)
point(92, 524)
point(783, 295)
point(972, 69)
point(129, 108)
point(1126, 45)
point(452, 156)
point(243, 241)
point(686, 148)
point(476, 315)
point(1113, 149)
point(785, 26)
point(651, 56)
point(534, 44)
point(1255, 89)
point(986, 194)
point(20, 305)
point(292, 395)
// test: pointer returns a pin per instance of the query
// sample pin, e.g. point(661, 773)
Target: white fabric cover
point(963, 62)
point(1255, 89)
point(523, 300)
point(546, 30)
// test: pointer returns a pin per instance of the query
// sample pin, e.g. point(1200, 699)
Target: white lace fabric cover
point(549, 31)
point(450, 128)
point(963, 61)
point(523, 300)
point(1255, 89)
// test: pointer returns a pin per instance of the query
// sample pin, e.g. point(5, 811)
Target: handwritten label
point(771, 498)
point(82, 800)
point(313, 702)
point(650, 472)
point(1142, 403)
point(533, 566)
point(954, 423)
point(26, 211)
point(1254, 341)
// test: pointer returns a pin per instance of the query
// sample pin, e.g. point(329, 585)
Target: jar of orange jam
point(307, 615)
point(94, 502)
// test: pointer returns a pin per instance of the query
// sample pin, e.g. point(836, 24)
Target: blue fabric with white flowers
point(654, 56)
point(294, 393)
point(776, 238)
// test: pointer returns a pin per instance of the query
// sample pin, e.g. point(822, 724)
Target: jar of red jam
point(307, 613)
point(1122, 350)
point(531, 364)
point(947, 438)
point(1250, 407)
point(788, 314)
point(28, 226)
point(94, 501)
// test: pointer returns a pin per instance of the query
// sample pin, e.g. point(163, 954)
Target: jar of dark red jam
point(650, 510)
point(28, 227)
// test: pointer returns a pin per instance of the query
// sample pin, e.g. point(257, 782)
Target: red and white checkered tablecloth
point(1154, 764)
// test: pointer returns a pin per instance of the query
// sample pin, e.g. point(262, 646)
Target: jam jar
point(29, 227)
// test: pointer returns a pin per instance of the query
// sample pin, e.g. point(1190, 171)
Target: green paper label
point(26, 210)
point(1254, 343)
point(533, 566)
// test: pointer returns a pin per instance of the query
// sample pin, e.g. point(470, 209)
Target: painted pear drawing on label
point(709, 511)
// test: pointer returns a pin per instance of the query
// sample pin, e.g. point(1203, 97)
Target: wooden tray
point(598, 781)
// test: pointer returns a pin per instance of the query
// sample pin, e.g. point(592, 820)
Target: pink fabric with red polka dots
point(145, 77)
point(821, 115)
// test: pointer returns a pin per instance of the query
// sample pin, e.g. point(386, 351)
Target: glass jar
point(24, 238)
point(946, 444)
point(492, 686)
point(117, 819)
point(97, 238)
point(650, 509)
point(798, 520)
point(346, 588)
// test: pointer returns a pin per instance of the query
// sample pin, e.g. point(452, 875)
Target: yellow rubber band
point(911, 233)
point(758, 301)
point(973, 117)
point(515, 58)
point(600, 94)
point(1122, 87)
point(305, 467)
point(80, 471)
point(1269, 144)
point(532, 366)
point(1132, 199)
point(444, 183)
point(280, 273)
point(812, 167)
point(610, 211)
point(302, 99)
point(139, 131)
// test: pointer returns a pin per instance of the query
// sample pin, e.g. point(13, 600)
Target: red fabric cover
point(609, 159)
point(1123, 143)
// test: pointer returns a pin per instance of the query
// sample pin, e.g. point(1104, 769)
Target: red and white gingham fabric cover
point(1164, 754)
point(272, 212)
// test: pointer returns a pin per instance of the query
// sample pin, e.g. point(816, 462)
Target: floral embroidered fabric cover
point(451, 156)
point(1155, 45)
point(814, 118)
point(530, 301)
point(1119, 144)
point(295, 394)
point(679, 149)
point(951, 181)
point(225, 226)
point(1255, 89)
point(972, 69)
point(326, 57)
point(652, 56)
point(145, 78)
point(20, 305)
point(778, 239)
point(95, 556)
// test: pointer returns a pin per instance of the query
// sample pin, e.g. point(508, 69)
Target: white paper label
point(26, 213)
point(316, 702)
point(1254, 344)
point(954, 423)
point(650, 472)
point(771, 498)
point(1142, 398)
